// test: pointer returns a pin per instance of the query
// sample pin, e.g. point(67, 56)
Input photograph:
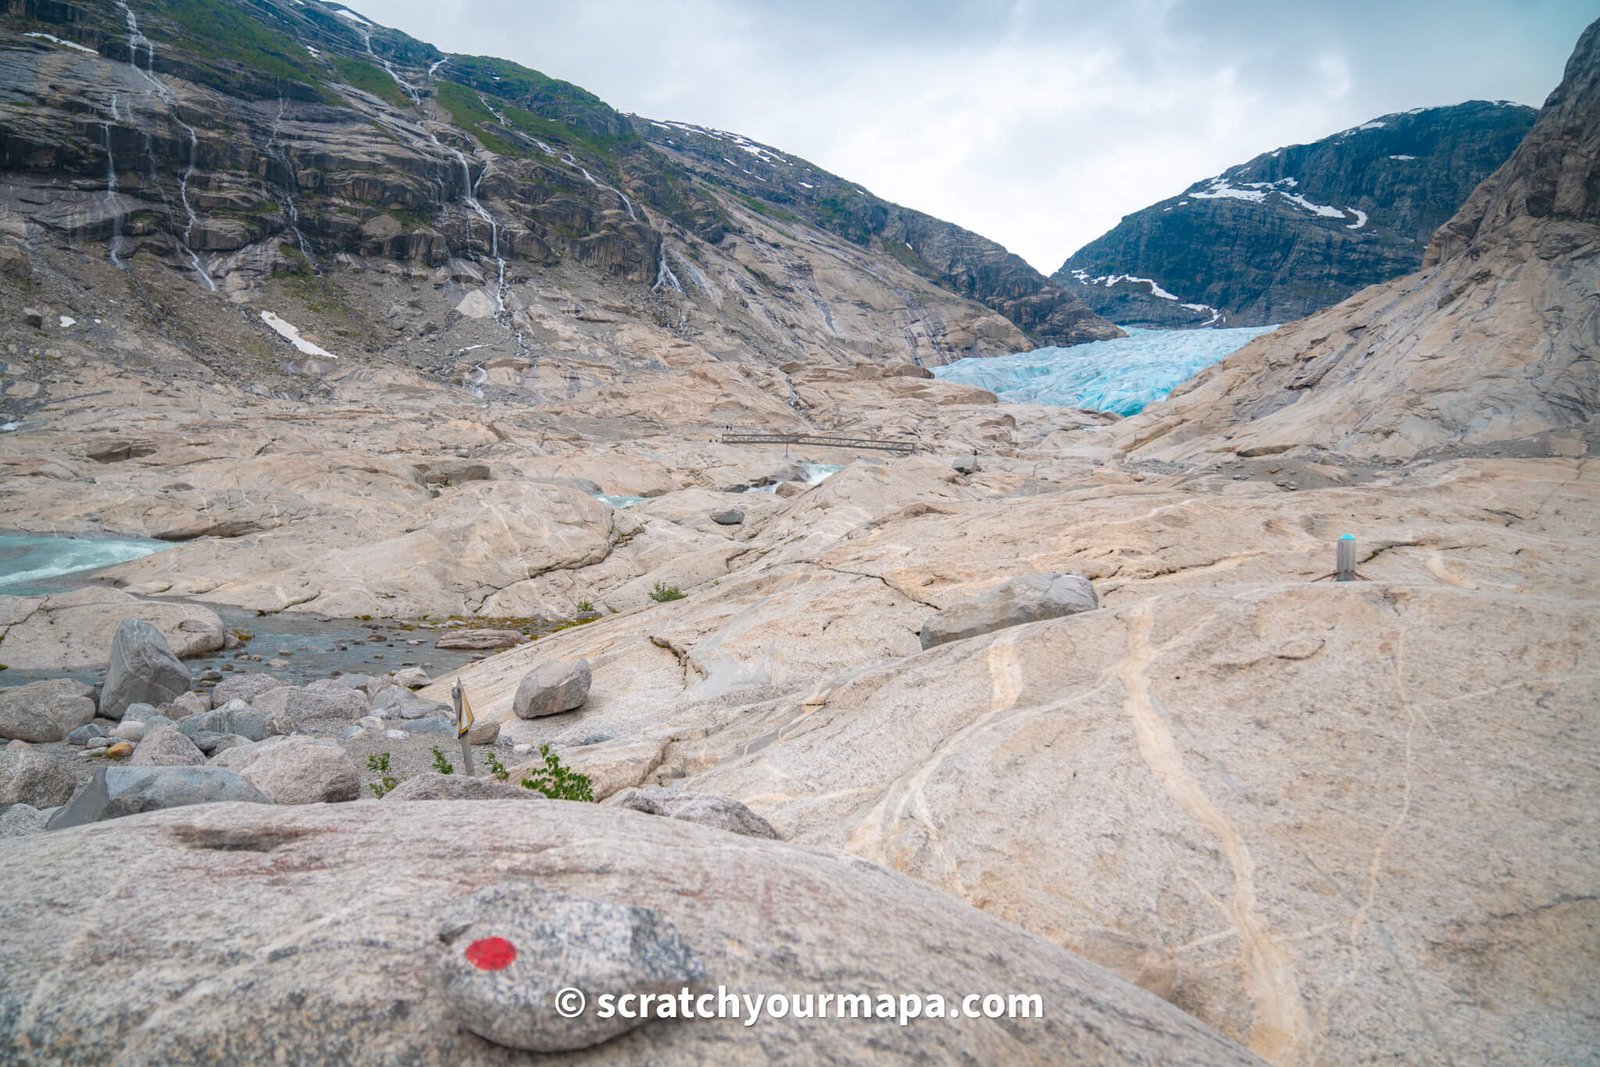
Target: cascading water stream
point(111, 189)
point(277, 151)
point(136, 39)
point(469, 190)
point(664, 275)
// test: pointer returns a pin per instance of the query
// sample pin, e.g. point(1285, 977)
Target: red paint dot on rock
point(491, 953)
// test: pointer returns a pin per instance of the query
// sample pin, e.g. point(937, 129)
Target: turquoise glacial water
point(1121, 375)
point(29, 562)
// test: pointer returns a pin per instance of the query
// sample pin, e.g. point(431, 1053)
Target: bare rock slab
point(480, 640)
point(435, 786)
point(552, 688)
point(299, 770)
point(143, 669)
point(1029, 598)
point(29, 776)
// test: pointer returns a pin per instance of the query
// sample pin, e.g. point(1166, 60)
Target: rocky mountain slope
point(1298, 228)
point(1492, 346)
point(266, 150)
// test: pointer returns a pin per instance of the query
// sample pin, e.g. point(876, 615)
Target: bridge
point(881, 444)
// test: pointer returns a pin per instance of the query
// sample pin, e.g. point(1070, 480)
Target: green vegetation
point(440, 764)
point(557, 782)
point(585, 607)
point(662, 592)
point(497, 770)
point(761, 207)
point(370, 79)
point(223, 33)
point(386, 781)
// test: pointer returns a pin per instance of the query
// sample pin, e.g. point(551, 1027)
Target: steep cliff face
point(1490, 348)
point(789, 189)
point(1299, 228)
point(246, 142)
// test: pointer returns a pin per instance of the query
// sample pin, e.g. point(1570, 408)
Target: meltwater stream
point(1121, 375)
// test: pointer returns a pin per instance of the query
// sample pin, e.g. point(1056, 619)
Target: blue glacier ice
point(29, 559)
point(1121, 375)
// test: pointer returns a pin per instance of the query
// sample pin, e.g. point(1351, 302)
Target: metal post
point(457, 699)
point(1345, 568)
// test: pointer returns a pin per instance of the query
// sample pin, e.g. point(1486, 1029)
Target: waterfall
point(136, 40)
point(432, 69)
point(405, 86)
point(469, 190)
point(276, 150)
point(111, 189)
point(664, 275)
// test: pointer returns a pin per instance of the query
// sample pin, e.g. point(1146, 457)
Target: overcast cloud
point(1037, 124)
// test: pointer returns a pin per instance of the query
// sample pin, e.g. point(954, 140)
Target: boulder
point(117, 791)
point(45, 711)
point(394, 702)
point(23, 820)
point(85, 733)
point(483, 732)
point(510, 950)
point(166, 746)
point(1029, 598)
point(235, 717)
point(29, 776)
point(435, 786)
point(244, 686)
point(299, 770)
point(728, 517)
point(480, 640)
point(143, 669)
point(551, 688)
point(724, 813)
point(185, 705)
point(331, 978)
point(412, 678)
point(292, 709)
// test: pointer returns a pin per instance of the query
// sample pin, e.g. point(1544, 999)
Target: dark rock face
point(275, 137)
point(1299, 228)
point(787, 187)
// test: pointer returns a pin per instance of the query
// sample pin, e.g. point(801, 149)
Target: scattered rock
point(290, 709)
point(28, 776)
point(434, 786)
point(397, 703)
point(117, 791)
point(1029, 598)
point(245, 685)
point(235, 717)
point(412, 678)
point(45, 711)
point(510, 948)
point(130, 730)
point(83, 734)
point(33, 317)
point(724, 813)
point(480, 640)
point(185, 705)
point(552, 688)
point(143, 668)
point(299, 770)
point(166, 746)
point(119, 750)
point(728, 517)
point(483, 732)
point(964, 464)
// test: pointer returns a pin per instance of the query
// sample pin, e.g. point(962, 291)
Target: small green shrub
point(585, 607)
point(440, 764)
point(557, 782)
point(664, 592)
point(386, 782)
point(497, 770)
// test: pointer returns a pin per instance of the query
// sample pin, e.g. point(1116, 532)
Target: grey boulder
point(234, 718)
point(117, 791)
point(165, 745)
point(729, 517)
point(245, 686)
point(707, 809)
point(1029, 598)
point(143, 669)
point(23, 820)
point(297, 770)
point(291, 709)
point(28, 776)
point(552, 688)
point(396, 702)
point(44, 711)
point(545, 944)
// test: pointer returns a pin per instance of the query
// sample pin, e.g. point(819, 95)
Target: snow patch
point(67, 322)
point(1361, 218)
point(1373, 125)
point(352, 17)
point(291, 333)
point(1403, 157)
point(65, 44)
point(1316, 209)
point(1221, 189)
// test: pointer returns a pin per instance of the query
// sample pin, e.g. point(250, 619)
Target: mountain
point(271, 150)
point(1299, 228)
point(1490, 348)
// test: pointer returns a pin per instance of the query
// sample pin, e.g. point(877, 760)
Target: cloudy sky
point(1036, 123)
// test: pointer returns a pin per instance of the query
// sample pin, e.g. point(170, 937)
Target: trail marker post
point(458, 698)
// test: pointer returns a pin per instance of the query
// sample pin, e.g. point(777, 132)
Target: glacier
point(1122, 375)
